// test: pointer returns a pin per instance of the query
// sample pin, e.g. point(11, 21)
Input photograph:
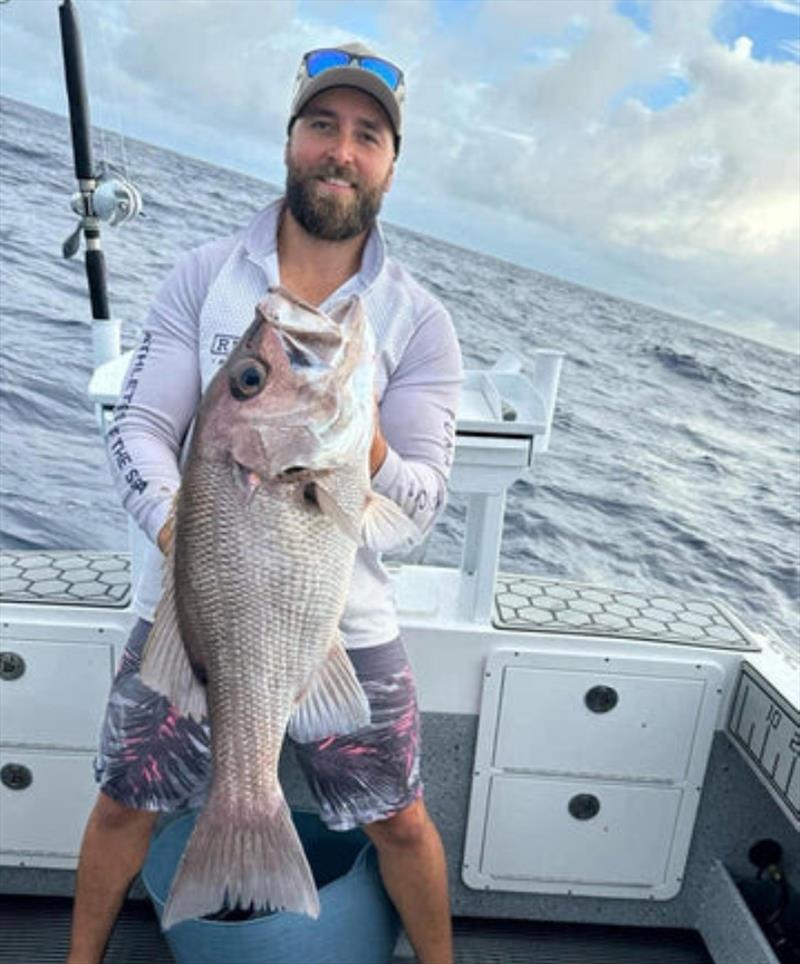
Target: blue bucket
point(357, 923)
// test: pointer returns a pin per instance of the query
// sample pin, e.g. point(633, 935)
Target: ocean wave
point(689, 366)
point(670, 462)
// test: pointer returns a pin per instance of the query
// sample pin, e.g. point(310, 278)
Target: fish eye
point(248, 378)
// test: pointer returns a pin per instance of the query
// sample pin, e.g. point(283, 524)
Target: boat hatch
point(612, 793)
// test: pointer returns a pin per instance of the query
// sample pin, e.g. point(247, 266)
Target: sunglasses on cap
point(318, 61)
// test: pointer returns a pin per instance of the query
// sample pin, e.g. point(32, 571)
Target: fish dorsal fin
point(332, 703)
point(386, 526)
point(165, 663)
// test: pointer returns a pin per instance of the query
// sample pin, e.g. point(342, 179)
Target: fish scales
point(263, 622)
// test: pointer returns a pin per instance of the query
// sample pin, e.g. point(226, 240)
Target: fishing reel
point(113, 200)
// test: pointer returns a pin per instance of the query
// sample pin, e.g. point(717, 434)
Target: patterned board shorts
point(152, 758)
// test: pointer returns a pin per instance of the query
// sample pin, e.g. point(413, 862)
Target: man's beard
point(328, 218)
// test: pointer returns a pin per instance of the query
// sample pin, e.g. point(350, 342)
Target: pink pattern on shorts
point(152, 758)
point(373, 773)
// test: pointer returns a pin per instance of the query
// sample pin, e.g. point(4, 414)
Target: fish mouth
point(292, 472)
point(299, 474)
point(248, 482)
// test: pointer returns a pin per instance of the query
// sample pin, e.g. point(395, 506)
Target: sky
point(646, 148)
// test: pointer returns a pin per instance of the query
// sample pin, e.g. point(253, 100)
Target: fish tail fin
point(236, 860)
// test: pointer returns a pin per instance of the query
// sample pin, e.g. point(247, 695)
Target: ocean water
point(674, 463)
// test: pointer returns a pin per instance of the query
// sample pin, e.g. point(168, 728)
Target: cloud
point(235, 75)
point(791, 47)
point(532, 113)
point(783, 6)
point(706, 189)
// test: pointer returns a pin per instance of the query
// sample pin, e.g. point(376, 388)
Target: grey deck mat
point(36, 930)
point(66, 578)
point(533, 604)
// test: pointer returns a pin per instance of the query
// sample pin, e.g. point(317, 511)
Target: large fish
point(274, 498)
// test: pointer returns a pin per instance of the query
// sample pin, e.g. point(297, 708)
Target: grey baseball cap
point(366, 71)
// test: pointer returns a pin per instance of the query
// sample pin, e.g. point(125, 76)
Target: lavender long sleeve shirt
point(204, 306)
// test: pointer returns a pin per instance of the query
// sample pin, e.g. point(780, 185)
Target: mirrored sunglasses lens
point(321, 60)
point(387, 72)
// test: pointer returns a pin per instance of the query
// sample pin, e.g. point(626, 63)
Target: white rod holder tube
point(481, 555)
point(105, 340)
point(547, 364)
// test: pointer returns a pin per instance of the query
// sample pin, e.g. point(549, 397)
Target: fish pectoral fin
point(333, 702)
point(328, 506)
point(386, 526)
point(165, 663)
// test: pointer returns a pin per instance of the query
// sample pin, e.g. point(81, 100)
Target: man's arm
point(412, 451)
point(159, 398)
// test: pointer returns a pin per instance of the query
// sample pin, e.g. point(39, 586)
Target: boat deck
point(36, 931)
point(36, 928)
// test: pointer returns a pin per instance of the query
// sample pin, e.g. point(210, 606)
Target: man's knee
point(403, 829)
point(108, 815)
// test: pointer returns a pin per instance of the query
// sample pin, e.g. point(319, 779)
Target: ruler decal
point(743, 703)
point(767, 731)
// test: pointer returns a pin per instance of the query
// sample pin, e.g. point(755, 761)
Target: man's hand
point(166, 535)
point(377, 452)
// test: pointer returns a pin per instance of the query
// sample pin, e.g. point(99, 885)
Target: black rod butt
point(98, 290)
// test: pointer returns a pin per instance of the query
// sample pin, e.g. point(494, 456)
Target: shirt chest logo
point(223, 345)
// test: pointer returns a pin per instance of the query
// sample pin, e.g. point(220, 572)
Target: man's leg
point(113, 850)
point(414, 872)
point(360, 777)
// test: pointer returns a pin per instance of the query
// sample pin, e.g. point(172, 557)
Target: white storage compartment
point(593, 847)
point(644, 736)
point(58, 698)
point(41, 822)
point(588, 771)
point(55, 674)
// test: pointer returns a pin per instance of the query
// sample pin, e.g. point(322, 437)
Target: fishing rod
point(101, 196)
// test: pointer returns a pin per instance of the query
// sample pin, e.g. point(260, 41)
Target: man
point(322, 243)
